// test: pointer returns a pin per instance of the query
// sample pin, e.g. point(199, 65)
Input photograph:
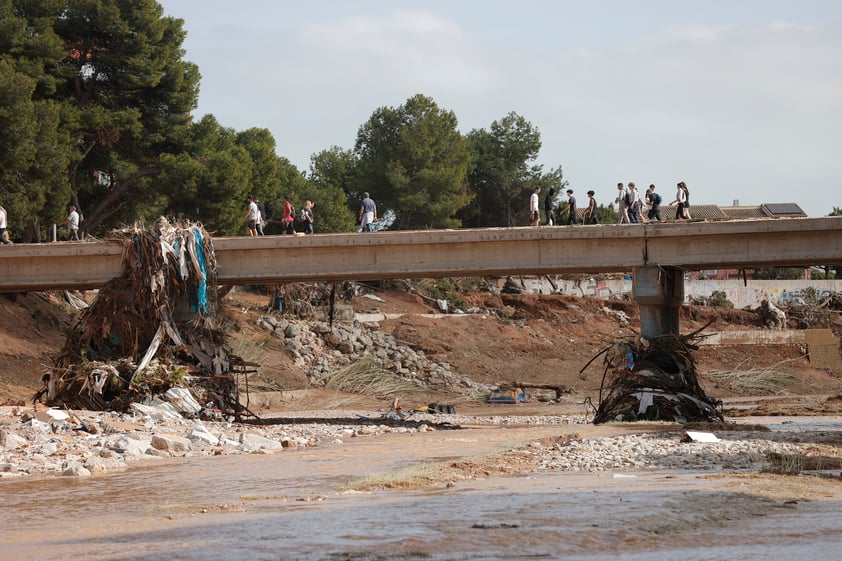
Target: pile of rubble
point(321, 349)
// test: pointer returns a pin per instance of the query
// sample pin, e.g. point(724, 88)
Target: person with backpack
point(654, 201)
point(623, 201)
point(307, 217)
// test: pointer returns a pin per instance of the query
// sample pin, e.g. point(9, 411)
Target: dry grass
point(755, 381)
point(368, 377)
point(409, 477)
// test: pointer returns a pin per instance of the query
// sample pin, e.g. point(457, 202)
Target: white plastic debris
point(701, 436)
point(157, 411)
point(57, 414)
point(183, 400)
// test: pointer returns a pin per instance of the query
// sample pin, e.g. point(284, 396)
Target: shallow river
point(289, 506)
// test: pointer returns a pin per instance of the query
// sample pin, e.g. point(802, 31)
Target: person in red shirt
point(288, 219)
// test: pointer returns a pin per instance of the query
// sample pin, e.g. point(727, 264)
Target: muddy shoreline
point(311, 502)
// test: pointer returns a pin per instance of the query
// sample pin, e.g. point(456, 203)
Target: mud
point(293, 506)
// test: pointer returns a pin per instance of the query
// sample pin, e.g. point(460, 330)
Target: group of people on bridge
point(632, 207)
point(290, 222)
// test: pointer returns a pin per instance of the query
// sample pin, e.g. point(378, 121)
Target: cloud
point(792, 26)
point(398, 52)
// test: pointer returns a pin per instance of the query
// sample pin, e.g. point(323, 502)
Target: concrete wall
point(740, 294)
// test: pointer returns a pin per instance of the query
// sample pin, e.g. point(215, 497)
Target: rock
point(155, 453)
point(49, 448)
point(292, 330)
point(76, 470)
point(343, 313)
point(321, 328)
point(11, 440)
point(201, 434)
point(253, 442)
point(131, 447)
point(171, 443)
point(96, 464)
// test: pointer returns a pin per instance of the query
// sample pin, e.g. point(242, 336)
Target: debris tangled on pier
point(654, 379)
point(151, 330)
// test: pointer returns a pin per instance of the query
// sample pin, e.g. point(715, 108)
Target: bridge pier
point(659, 292)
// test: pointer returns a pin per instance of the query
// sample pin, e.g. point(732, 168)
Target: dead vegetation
point(368, 377)
point(769, 380)
point(654, 380)
point(129, 346)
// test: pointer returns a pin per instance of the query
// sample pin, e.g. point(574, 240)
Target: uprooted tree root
point(654, 380)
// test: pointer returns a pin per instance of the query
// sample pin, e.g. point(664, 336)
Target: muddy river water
point(291, 505)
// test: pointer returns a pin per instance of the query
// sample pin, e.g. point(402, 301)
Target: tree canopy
point(414, 163)
point(106, 84)
point(502, 176)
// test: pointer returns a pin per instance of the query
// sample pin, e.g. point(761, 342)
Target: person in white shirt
point(534, 215)
point(622, 205)
point(634, 209)
point(3, 226)
point(253, 216)
point(681, 201)
point(72, 222)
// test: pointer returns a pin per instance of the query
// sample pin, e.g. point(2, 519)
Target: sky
point(742, 100)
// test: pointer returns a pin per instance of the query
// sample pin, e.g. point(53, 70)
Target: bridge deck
point(469, 252)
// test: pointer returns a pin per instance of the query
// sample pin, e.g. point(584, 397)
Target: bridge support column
point(659, 292)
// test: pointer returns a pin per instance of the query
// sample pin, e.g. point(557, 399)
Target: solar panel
point(778, 209)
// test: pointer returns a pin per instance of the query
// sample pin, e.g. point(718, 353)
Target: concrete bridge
point(657, 254)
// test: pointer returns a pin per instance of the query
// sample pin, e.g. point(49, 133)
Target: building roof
point(736, 212)
point(707, 212)
point(740, 212)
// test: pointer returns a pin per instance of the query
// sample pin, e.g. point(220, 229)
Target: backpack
point(629, 198)
point(656, 199)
